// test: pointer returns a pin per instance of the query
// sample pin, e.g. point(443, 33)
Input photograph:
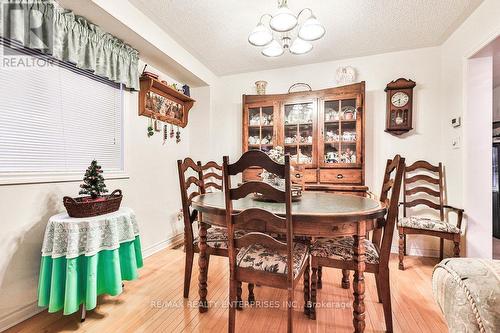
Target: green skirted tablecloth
point(85, 258)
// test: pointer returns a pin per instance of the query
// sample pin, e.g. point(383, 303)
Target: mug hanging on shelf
point(178, 135)
point(150, 127)
point(157, 125)
point(172, 133)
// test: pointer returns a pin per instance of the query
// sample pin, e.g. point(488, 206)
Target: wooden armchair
point(338, 252)
point(192, 177)
point(262, 259)
point(423, 185)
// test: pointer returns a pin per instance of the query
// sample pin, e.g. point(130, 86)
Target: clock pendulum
point(399, 117)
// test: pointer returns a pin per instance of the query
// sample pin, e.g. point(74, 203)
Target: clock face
point(400, 99)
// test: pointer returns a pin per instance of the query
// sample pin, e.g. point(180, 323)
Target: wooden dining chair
point(262, 259)
point(212, 176)
point(192, 183)
point(339, 252)
point(424, 185)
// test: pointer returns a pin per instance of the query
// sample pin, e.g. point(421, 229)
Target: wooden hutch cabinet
point(322, 130)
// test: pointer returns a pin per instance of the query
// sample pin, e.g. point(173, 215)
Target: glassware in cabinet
point(298, 123)
point(340, 132)
point(260, 127)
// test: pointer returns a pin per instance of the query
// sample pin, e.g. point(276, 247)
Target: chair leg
point(314, 286)
point(239, 291)
point(456, 249)
point(441, 248)
point(251, 296)
point(307, 286)
point(385, 287)
point(404, 245)
point(346, 284)
point(232, 307)
point(401, 251)
point(188, 268)
point(379, 288)
point(320, 277)
point(290, 310)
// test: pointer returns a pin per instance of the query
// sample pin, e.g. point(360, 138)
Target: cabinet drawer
point(340, 176)
point(252, 174)
point(310, 176)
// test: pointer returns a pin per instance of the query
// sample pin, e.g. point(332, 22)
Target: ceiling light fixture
point(284, 31)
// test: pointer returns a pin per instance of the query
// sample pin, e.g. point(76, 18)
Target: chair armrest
point(454, 209)
point(371, 195)
point(460, 214)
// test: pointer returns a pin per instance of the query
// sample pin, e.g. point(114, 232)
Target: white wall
point(477, 31)
point(422, 66)
point(477, 146)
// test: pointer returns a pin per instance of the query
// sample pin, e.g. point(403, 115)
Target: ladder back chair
point(212, 176)
point(191, 180)
point(338, 252)
point(423, 185)
point(257, 257)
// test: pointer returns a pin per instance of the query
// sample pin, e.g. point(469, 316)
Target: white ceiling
point(216, 31)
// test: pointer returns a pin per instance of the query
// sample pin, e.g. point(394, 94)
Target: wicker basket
point(85, 207)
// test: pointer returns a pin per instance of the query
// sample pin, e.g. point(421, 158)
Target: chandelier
point(283, 31)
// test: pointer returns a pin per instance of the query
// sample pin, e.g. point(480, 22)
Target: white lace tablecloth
point(72, 237)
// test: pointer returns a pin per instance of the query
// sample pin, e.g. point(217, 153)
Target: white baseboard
point(20, 315)
point(32, 309)
point(418, 252)
point(165, 244)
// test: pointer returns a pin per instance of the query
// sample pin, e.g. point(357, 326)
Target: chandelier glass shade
point(284, 20)
point(260, 35)
point(284, 30)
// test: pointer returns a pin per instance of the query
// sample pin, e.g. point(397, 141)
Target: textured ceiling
point(216, 31)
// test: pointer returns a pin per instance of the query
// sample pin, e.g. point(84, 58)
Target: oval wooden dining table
point(316, 214)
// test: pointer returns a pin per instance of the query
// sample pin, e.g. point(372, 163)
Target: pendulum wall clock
point(399, 106)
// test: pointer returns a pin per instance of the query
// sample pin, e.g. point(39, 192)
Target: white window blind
point(56, 118)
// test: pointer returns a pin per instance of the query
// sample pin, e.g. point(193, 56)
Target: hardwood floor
point(154, 303)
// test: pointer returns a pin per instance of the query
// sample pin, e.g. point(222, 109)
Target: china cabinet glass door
point(340, 130)
point(261, 133)
point(299, 121)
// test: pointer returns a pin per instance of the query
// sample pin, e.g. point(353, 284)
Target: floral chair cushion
point(425, 223)
point(259, 257)
point(217, 237)
point(341, 248)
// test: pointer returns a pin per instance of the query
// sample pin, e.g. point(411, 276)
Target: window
point(56, 118)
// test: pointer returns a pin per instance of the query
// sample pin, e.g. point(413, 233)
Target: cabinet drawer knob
point(340, 176)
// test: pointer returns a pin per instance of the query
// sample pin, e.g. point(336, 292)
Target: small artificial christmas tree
point(93, 182)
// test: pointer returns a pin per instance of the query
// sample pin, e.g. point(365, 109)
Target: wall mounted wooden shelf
point(159, 101)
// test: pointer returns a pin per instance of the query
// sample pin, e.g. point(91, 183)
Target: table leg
point(203, 265)
point(359, 283)
point(84, 313)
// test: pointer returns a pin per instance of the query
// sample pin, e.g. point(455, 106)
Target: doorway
point(482, 152)
point(496, 151)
